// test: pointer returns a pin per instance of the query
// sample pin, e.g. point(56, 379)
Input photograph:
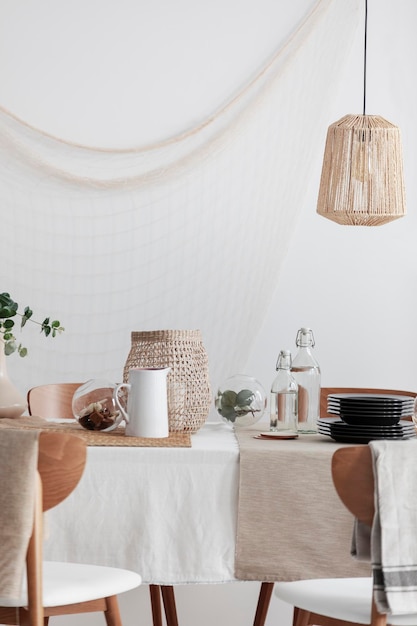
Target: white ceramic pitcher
point(147, 404)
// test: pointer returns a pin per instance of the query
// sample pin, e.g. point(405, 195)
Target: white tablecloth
point(171, 513)
point(167, 513)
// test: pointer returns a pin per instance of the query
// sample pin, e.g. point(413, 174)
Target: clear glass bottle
point(306, 372)
point(283, 400)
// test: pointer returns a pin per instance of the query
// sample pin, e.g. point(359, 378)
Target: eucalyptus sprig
point(8, 310)
point(232, 405)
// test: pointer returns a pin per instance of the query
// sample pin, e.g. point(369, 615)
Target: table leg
point(168, 597)
point(263, 604)
point(154, 591)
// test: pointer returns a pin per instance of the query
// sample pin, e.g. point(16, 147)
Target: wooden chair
point(267, 588)
point(343, 601)
point(63, 588)
point(55, 400)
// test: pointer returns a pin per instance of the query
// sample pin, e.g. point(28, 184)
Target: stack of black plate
point(363, 417)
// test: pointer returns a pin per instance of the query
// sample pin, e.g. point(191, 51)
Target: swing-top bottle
point(306, 372)
point(283, 399)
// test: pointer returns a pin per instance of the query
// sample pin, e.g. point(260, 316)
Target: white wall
point(102, 72)
point(125, 73)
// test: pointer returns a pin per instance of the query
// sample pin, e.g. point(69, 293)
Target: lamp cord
point(364, 57)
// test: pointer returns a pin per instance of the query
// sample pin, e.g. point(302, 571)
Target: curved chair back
point(61, 462)
point(53, 400)
point(353, 478)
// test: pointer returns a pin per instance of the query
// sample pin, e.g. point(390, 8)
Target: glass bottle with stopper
point(306, 372)
point(283, 399)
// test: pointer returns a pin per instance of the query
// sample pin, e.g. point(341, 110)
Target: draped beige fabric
point(18, 462)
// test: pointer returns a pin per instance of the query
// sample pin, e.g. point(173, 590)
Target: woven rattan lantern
point(362, 181)
point(362, 176)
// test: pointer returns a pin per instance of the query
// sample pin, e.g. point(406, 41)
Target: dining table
point(227, 506)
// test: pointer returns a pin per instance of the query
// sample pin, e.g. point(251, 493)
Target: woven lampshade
point(362, 176)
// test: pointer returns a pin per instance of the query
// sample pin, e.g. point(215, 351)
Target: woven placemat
point(96, 438)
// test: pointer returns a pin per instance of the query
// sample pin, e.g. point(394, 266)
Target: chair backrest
point(53, 400)
point(353, 479)
point(326, 391)
point(61, 462)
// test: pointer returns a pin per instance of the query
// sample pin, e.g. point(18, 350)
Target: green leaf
point(8, 308)
point(22, 351)
point(245, 398)
point(26, 316)
point(228, 413)
point(10, 347)
point(4, 298)
point(8, 324)
point(228, 399)
point(8, 311)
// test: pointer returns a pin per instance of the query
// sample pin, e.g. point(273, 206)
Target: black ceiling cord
point(364, 57)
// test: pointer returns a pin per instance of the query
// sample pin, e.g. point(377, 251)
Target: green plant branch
point(8, 310)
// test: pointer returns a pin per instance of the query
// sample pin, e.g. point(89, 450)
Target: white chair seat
point(69, 583)
point(346, 599)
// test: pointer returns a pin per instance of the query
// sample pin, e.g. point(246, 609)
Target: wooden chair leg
point(155, 594)
point(112, 612)
point(168, 597)
point(263, 604)
point(301, 617)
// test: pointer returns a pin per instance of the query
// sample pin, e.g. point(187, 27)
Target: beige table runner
point(291, 523)
point(96, 438)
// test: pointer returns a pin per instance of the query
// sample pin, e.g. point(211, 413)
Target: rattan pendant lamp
point(362, 181)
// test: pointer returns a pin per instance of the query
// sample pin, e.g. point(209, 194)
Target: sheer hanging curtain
point(187, 233)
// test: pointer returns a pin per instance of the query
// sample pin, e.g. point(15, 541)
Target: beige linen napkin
point(18, 463)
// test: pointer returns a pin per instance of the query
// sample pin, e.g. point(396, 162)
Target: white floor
point(231, 604)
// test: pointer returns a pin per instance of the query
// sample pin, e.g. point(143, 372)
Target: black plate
point(370, 418)
point(376, 420)
point(331, 424)
point(370, 399)
point(405, 410)
point(344, 433)
point(371, 407)
point(365, 439)
point(371, 414)
point(341, 423)
point(366, 428)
